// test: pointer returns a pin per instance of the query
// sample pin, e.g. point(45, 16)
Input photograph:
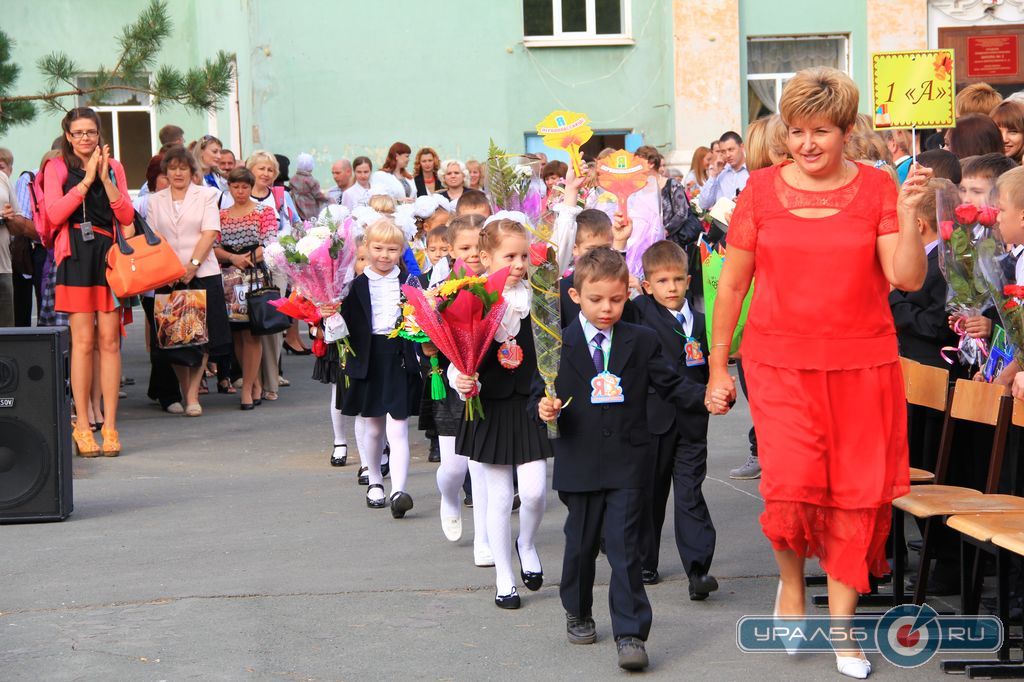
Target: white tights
point(532, 495)
point(372, 447)
point(450, 476)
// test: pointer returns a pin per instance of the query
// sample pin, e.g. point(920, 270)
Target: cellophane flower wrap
point(998, 270)
point(318, 261)
point(962, 227)
point(406, 326)
point(545, 308)
point(461, 317)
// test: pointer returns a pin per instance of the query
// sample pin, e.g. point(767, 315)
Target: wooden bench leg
point(921, 588)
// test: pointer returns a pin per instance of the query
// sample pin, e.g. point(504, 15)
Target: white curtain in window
point(790, 56)
point(765, 91)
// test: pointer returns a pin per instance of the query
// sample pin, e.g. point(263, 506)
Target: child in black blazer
point(682, 449)
point(384, 378)
point(603, 459)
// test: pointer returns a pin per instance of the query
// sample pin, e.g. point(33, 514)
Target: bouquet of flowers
point(545, 310)
point(317, 261)
point(513, 183)
point(406, 326)
point(998, 271)
point(460, 317)
point(962, 228)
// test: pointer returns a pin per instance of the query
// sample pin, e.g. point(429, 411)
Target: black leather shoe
point(258, 402)
point(385, 467)
point(580, 630)
point(375, 504)
point(533, 581)
point(508, 601)
point(632, 654)
point(246, 406)
point(401, 502)
point(468, 501)
point(701, 586)
point(435, 452)
point(649, 577)
point(516, 502)
point(339, 461)
point(361, 477)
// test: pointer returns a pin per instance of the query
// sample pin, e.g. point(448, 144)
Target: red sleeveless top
point(820, 295)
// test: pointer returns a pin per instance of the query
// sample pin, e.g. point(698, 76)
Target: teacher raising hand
point(825, 239)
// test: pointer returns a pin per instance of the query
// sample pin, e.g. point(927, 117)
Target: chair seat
point(984, 527)
point(920, 476)
point(957, 501)
point(1013, 542)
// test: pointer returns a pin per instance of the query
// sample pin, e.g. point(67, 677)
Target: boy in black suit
point(682, 447)
point(603, 459)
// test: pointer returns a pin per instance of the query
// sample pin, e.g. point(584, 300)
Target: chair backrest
point(977, 401)
point(925, 385)
point(1018, 413)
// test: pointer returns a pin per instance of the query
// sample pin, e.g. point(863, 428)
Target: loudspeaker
point(35, 424)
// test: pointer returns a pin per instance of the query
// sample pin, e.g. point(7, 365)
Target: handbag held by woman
point(141, 263)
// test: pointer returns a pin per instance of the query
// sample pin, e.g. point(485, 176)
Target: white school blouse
point(385, 297)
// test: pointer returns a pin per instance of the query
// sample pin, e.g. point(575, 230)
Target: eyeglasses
point(79, 134)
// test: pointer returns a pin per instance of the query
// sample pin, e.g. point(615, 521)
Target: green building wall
point(350, 77)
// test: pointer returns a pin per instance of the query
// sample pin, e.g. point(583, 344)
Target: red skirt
point(833, 451)
point(81, 282)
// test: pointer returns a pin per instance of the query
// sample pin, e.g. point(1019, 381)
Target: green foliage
point(200, 88)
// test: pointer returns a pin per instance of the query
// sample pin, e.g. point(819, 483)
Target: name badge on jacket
point(694, 354)
point(605, 388)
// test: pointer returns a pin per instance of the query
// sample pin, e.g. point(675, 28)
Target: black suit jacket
point(660, 413)
point(571, 310)
point(606, 447)
point(921, 319)
point(358, 315)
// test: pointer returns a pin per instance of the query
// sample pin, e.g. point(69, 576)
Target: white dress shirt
point(687, 317)
point(589, 332)
point(727, 183)
point(385, 297)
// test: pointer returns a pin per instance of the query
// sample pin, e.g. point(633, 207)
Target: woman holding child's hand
point(826, 238)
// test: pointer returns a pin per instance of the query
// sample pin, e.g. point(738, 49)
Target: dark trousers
point(682, 464)
point(22, 301)
point(620, 514)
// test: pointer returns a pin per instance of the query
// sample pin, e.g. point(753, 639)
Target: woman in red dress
point(825, 239)
point(83, 197)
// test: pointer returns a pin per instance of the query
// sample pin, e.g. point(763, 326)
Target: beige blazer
point(182, 228)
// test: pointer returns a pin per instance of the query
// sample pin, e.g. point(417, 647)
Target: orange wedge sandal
point(85, 443)
point(111, 443)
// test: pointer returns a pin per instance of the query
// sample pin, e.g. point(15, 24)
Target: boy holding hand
point(603, 459)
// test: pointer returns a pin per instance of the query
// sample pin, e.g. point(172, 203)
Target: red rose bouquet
point(460, 317)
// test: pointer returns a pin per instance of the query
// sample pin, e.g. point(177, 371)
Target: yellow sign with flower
point(913, 89)
point(566, 130)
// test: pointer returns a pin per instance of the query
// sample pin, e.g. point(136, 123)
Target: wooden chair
point(925, 386)
point(972, 401)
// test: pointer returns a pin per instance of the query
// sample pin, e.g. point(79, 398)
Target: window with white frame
point(576, 22)
point(129, 127)
point(772, 61)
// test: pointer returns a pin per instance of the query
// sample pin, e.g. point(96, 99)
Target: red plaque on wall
point(992, 55)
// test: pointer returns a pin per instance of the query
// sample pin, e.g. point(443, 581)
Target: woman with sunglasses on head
point(83, 199)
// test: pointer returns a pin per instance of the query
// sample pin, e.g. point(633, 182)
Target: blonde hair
point(263, 156)
point(382, 203)
point(470, 165)
point(820, 92)
point(765, 136)
point(976, 98)
point(384, 231)
point(1011, 187)
point(495, 231)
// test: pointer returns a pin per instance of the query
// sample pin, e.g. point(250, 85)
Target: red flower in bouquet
point(538, 254)
point(987, 216)
point(462, 327)
point(946, 230)
point(966, 214)
point(299, 307)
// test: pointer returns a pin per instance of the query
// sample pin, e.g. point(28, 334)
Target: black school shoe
point(375, 503)
point(650, 577)
point(362, 478)
point(632, 653)
point(435, 451)
point(580, 630)
point(401, 502)
point(508, 601)
point(339, 461)
point(701, 586)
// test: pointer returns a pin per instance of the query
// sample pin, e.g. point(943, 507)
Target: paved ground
point(226, 548)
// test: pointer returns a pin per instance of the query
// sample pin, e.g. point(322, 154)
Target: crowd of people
point(814, 200)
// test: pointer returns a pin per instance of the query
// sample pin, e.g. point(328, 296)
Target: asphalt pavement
point(225, 547)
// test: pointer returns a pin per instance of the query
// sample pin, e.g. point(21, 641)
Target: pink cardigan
point(60, 206)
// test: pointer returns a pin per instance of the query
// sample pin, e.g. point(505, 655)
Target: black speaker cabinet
point(35, 424)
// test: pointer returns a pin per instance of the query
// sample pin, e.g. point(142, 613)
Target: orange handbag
point(141, 263)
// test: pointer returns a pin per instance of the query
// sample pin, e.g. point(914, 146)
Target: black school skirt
point(506, 435)
point(389, 388)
